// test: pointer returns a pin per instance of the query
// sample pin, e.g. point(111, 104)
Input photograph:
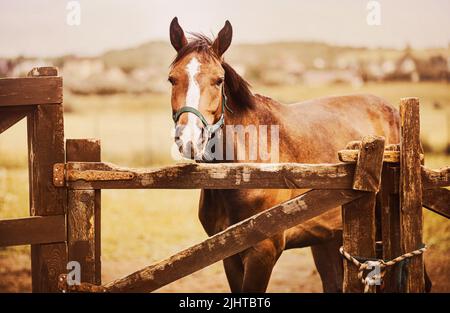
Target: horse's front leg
point(329, 264)
point(234, 271)
point(258, 262)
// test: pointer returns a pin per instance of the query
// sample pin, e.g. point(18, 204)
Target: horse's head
point(198, 97)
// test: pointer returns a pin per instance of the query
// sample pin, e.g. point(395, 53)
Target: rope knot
point(371, 271)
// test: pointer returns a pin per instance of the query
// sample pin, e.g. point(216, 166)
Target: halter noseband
point(210, 128)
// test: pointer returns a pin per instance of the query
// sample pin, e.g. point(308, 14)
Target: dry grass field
point(143, 226)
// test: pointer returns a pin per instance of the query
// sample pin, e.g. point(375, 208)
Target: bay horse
point(309, 132)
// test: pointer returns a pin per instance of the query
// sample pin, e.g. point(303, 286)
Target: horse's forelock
point(198, 43)
point(237, 88)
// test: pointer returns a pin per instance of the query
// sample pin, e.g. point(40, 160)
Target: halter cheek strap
point(210, 128)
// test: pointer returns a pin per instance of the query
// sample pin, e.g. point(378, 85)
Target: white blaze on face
point(191, 131)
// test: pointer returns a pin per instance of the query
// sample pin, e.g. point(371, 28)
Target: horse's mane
point(236, 87)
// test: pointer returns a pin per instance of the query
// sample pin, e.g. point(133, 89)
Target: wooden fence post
point(390, 225)
point(46, 147)
point(411, 191)
point(83, 216)
point(358, 216)
point(9, 116)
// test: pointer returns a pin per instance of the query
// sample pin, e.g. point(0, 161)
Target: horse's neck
point(261, 118)
point(259, 114)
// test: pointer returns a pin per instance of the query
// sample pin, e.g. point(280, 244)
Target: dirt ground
point(294, 272)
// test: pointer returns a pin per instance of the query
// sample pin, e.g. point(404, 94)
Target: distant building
point(6, 67)
point(414, 69)
point(282, 70)
point(23, 66)
point(326, 77)
point(82, 68)
point(319, 63)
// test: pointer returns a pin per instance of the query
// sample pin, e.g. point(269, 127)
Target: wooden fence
point(66, 181)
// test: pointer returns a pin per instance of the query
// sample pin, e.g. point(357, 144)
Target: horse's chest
point(221, 208)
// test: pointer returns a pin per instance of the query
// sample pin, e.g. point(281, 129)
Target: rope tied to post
point(379, 265)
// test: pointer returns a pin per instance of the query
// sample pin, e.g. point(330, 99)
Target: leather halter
point(210, 128)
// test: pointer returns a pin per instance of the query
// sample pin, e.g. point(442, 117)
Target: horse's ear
point(223, 40)
point(177, 37)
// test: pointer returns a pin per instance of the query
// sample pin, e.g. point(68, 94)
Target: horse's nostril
point(190, 145)
point(203, 133)
point(189, 149)
point(178, 131)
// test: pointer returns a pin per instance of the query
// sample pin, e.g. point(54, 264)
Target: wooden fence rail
point(95, 175)
point(437, 200)
point(31, 90)
point(33, 230)
point(98, 175)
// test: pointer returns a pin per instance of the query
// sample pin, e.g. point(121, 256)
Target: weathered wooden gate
point(65, 187)
point(39, 99)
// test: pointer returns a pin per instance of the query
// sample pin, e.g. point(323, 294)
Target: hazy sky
point(38, 27)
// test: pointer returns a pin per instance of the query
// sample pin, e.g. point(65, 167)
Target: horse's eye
point(172, 80)
point(219, 81)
